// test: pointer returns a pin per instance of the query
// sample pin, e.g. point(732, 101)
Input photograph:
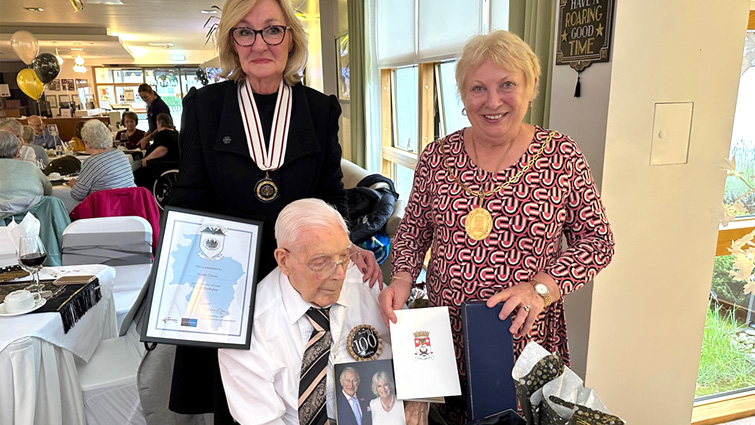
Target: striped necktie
point(314, 366)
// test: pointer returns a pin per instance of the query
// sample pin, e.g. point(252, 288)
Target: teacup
point(20, 301)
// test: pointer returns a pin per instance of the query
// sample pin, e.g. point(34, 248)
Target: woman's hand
point(72, 182)
point(416, 412)
point(367, 264)
point(523, 298)
point(394, 296)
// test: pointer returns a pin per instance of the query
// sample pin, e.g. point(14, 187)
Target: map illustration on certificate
point(203, 280)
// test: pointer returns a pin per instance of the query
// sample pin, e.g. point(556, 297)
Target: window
point(117, 88)
point(405, 109)
point(727, 367)
point(450, 105)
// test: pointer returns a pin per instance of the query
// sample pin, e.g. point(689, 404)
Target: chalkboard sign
point(584, 32)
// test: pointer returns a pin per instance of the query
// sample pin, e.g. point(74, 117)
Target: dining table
point(39, 382)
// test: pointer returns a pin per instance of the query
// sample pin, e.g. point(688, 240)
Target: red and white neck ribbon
point(267, 157)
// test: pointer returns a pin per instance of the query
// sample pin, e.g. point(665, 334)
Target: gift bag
point(533, 369)
point(562, 399)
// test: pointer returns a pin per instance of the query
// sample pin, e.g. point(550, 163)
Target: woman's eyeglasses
point(272, 35)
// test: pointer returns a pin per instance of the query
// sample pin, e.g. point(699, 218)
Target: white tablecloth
point(63, 192)
point(39, 383)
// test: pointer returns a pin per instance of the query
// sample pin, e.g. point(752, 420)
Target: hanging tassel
point(578, 88)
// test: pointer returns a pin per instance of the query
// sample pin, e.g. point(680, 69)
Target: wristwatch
point(542, 290)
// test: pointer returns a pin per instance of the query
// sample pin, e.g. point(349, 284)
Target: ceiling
point(118, 31)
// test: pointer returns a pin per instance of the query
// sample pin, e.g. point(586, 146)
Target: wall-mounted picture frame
point(64, 98)
point(342, 67)
point(53, 101)
point(69, 84)
point(80, 84)
point(54, 85)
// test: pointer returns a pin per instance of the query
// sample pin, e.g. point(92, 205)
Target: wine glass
point(124, 138)
point(31, 255)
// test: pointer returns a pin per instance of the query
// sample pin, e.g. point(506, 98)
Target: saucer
point(37, 305)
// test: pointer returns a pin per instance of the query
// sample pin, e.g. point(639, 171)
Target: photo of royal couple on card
point(365, 394)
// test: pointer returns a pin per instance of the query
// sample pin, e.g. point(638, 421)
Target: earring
point(464, 111)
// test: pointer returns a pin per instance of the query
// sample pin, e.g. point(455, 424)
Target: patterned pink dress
point(556, 197)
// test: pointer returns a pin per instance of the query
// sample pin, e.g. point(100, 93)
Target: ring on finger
point(526, 307)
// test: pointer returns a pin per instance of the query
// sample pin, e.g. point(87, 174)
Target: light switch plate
point(672, 122)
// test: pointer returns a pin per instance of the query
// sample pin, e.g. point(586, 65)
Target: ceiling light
point(209, 11)
point(79, 67)
point(166, 45)
point(34, 9)
point(77, 49)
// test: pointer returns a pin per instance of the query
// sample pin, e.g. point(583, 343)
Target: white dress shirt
point(262, 383)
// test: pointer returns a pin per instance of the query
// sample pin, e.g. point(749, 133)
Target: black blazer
point(217, 174)
point(346, 415)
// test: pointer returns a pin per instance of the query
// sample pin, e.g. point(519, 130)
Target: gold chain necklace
point(479, 222)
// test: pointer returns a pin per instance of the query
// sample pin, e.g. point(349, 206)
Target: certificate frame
point(204, 280)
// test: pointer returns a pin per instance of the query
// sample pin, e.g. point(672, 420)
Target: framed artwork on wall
point(53, 101)
point(54, 85)
point(64, 98)
point(342, 66)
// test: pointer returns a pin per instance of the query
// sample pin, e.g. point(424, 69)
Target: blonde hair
point(506, 50)
point(233, 12)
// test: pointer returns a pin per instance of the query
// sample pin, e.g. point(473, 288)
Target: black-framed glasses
point(272, 35)
point(324, 267)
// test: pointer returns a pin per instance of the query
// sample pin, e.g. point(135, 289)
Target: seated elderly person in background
point(20, 179)
point(131, 136)
point(304, 311)
point(78, 144)
point(42, 136)
point(108, 168)
point(26, 152)
point(164, 147)
point(40, 153)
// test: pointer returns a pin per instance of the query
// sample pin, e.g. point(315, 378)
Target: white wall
point(648, 307)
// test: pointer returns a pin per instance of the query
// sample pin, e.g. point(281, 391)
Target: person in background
point(42, 136)
point(78, 143)
point(132, 134)
point(20, 179)
point(107, 168)
point(25, 152)
point(40, 153)
point(509, 194)
point(304, 310)
point(385, 408)
point(165, 147)
point(232, 162)
point(155, 106)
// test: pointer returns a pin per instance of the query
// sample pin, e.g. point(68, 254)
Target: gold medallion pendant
point(479, 224)
point(266, 189)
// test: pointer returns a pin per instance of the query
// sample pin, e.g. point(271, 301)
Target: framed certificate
point(203, 280)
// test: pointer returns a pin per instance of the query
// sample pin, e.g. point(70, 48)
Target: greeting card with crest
point(423, 354)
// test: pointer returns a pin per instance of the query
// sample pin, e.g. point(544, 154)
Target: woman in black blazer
point(243, 154)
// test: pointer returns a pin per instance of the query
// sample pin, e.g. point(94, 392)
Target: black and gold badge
point(364, 343)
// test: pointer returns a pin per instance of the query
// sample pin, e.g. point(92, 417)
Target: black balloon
point(46, 66)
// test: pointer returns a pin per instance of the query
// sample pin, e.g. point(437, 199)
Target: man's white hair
point(303, 216)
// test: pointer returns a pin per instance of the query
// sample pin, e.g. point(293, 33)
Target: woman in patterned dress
point(494, 201)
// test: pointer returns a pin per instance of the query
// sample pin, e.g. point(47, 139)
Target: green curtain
point(535, 22)
point(356, 85)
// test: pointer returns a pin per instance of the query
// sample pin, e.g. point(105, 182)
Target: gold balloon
point(29, 83)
